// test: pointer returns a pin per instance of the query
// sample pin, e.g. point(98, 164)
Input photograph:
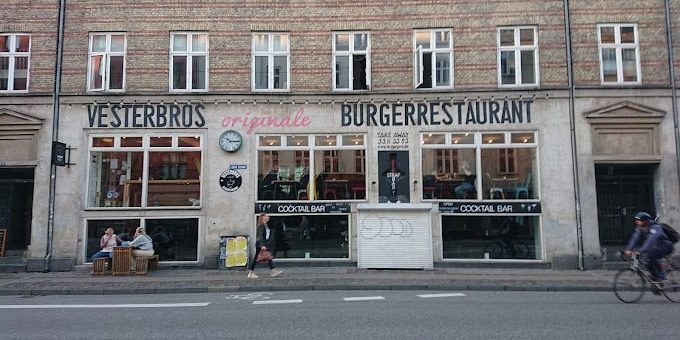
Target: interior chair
point(494, 189)
point(429, 186)
point(524, 187)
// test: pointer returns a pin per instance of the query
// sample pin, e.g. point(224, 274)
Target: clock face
point(230, 140)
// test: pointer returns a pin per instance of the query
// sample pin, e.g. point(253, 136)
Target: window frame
point(618, 46)
point(190, 54)
point(517, 48)
point(106, 57)
point(12, 55)
point(145, 149)
point(418, 59)
point(270, 54)
point(351, 53)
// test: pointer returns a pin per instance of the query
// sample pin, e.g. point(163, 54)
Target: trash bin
point(233, 251)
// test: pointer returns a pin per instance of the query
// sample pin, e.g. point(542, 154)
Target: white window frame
point(618, 46)
point(518, 49)
point(146, 148)
point(189, 53)
point(418, 62)
point(270, 54)
point(351, 53)
point(12, 55)
point(106, 60)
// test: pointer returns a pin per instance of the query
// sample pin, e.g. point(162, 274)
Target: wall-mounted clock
point(230, 141)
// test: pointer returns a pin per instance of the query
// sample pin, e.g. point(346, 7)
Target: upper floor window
point(189, 62)
point(106, 62)
point(433, 58)
point(351, 55)
point(15, 50)
point(619, 53)
point(271, 62)
point(517, 56)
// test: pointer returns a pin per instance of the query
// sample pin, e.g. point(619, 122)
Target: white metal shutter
point(394, 236)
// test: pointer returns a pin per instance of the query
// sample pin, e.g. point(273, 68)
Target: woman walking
point(265, 240)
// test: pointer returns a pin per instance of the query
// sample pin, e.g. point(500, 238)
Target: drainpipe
point(674, 94)
point(55, 136)
point(572, 129)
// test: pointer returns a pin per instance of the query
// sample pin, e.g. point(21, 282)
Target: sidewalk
point(170, 280)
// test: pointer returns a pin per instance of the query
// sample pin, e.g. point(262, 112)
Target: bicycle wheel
point(671, 288)
point(629, 285)
point(521, 250)
point(495, 250)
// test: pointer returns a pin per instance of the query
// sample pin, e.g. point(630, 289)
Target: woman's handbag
point(264, 256)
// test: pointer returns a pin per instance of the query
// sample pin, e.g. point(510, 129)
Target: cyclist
point(656, 244)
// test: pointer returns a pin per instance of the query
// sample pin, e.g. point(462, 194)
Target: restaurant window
point(188, 61)
point(311, 236)
point(144, 171)
point(480, 166)
point(619, 49)
point(15, 52)
point(174, 239)
point(517, 56)
point(311, 167)
point(433, 58)
point(107, 62)
point(491, 237)
point(271, 62)
point(351, 56)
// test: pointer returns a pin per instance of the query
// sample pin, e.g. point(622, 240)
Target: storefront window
point(480, 166)
point(144, 171)
point(308, 167)
point(173, 239)
point(491, 237)
point(311, 236)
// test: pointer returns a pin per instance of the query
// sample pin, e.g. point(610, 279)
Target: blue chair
point(524, 187)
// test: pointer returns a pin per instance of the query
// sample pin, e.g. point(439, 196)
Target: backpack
point(671, 233)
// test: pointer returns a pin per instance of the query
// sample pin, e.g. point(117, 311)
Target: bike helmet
point(643, 216)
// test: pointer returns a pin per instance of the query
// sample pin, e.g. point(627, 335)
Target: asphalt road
point(340, 315)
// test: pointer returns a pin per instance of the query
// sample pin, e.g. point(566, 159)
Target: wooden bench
point(145, 263)
point(99, 265)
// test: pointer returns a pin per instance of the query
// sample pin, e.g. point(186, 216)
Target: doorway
point(16, 206)
point(622, 191)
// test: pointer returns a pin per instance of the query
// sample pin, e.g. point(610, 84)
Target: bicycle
point(630, 284)
point(500, 249)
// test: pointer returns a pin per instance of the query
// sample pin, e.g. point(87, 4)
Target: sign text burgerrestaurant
point(473, 112)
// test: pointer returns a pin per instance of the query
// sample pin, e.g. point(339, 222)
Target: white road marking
point(364, 298)
point(133, 305)
point(273, 302)
point(440, 295)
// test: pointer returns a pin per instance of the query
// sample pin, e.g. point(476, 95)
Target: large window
point(188, 62)
point(351, 56)
point(517, 56)
point(107, 62)
point(480, 166)
point(619, 53)
point(174, 239)
point(144, 171)
point(271, 62)
point(15, 51)
point(433, 58)
point(311, 236)
point(311, 167)
point(491, 237)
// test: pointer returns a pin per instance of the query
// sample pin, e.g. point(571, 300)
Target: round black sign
point(230, 180)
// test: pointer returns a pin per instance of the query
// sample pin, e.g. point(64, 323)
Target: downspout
point(55, 136)
point(674, 94)
point(572, 129)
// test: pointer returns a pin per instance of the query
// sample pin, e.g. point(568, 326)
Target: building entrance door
point(622, 191)
point(16, 205)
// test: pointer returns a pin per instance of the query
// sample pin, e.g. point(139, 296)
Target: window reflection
point(311, 236)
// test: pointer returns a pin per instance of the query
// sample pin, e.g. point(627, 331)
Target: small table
point(122, 256)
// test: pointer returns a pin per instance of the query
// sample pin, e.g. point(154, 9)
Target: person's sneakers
point(252, 275)
point(275, 272)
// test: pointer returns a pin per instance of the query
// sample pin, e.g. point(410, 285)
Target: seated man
point(468, 183)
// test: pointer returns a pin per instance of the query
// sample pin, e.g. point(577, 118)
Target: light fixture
point(526, 139)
